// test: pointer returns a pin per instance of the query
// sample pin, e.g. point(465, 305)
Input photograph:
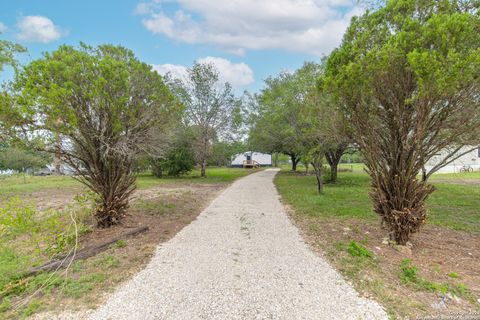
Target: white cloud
point(175, 70)
point(3, 27)
point(37, 29)
point(307, 26)
point(237, 74)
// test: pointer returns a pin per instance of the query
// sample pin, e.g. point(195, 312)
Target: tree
point(407, 77)
point(21, 160)
point(105, 106)
point(276, 122)
point(223, 152)
point(210, 107)
point(180, 157)
point(8, 50)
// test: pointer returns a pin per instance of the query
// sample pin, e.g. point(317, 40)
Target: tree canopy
point(99, 107)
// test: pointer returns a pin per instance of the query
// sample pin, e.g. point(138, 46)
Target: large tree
point(104, 106)
point(211, 108)
point(277, 125)
point(407, 76)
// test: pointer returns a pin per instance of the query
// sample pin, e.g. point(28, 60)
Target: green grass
point(452, 205)
point(18, 184)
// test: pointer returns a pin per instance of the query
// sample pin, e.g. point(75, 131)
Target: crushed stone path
point(241, 259)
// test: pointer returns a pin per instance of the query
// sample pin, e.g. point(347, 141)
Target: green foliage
point(154, 206)
point(222, 152)
point(21, 160)
point(121, 243)
point(180, 158)
point(7, 53)
point(32, 307)
point(409, 275)
point(105, 107)
point(107, 262)
point(409, 272)
point(29, 238)
point(453, 275)
point(355, 249)
point(349, 198)
point(406, 78)
point(211, 108)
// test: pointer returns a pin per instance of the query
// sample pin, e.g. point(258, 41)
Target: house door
point(249, 157)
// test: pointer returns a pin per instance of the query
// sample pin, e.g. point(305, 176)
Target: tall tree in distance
point(211, 108)
point(105, 106)
point(407, 78)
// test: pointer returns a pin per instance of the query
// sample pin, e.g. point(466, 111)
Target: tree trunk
point(306, 168)
point(424, 174)
point(317, 167)
point(333, 173)
point(203, 170)
point(333, 158)
point(275, 161)
point(294, 162)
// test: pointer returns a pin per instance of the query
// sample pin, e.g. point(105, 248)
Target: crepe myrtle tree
point(211, 108)
point(105, 107)
point(408, 81)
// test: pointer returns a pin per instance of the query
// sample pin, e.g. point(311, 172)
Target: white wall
point(263, 159)
point(471, 159)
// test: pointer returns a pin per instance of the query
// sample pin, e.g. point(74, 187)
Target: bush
point(180, 159)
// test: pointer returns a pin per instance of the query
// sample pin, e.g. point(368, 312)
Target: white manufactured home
point(251, 159)
point(467, 162)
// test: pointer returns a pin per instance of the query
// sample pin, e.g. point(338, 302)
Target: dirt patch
point(441, 256)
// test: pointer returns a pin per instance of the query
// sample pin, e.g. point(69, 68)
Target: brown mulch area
point(435, 251)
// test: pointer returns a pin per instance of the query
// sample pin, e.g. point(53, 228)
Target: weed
point(76, 288)
point(357, 250)
point(120, 243)
point(32, 307)
point(107, 262)
point(453, 275)
point(408, 271)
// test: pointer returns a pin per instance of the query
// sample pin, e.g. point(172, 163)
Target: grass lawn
point(441, 265)
point(452, 205)
point(19, 184)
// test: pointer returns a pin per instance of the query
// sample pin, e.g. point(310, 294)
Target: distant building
point(251, 159)
point(467, 161)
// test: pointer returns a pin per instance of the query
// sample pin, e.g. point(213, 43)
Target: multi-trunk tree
point(408, 79)
point(211, 108)
point(98, 107)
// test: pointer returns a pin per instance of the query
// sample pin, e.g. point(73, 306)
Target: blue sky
point(248, 40)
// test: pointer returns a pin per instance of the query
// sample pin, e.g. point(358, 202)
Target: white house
point(251, 158)
point(467, 161)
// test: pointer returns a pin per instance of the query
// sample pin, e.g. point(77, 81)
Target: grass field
point(452, 205)
point(19, 184)
point(441, 266)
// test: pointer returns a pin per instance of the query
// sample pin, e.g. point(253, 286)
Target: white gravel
point(241, 259)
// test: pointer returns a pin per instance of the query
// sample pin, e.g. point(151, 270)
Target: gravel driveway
point(241, 259)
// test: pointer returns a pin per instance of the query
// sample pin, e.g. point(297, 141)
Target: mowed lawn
point(454, 204)
point(18, 184)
